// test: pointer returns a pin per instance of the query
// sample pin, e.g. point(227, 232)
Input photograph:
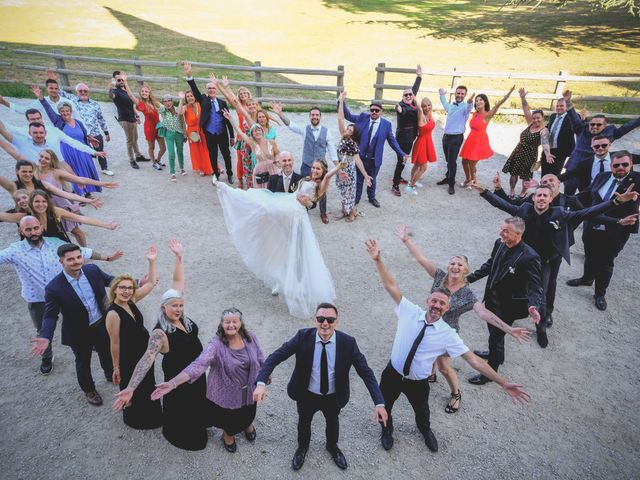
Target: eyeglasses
point(598, 146)
point(617, 165)
point(594, 124)
point(374, 110)
point(329, 320)
point(124, 288)
point(83, 91)
point(407, 94)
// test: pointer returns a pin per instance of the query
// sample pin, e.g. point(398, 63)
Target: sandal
point(455, 397)
point(174, 179)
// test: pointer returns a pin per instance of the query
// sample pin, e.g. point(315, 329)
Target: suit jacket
point(205, 103)
point(566, 138)
point(276, 183)
point(513, 285)
point(302, 345)
point(60, 297)
point(629, 208)
point(376, 146)
point(407, 118)
point(560, 218)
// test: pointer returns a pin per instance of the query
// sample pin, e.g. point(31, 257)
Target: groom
point(288, 180)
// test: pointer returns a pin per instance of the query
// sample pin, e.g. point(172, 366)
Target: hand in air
point(628, 195)
point(402, 232)
point(372, 249)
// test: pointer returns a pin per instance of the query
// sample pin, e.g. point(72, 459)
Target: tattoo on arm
point(544, 138)
point(146, 362)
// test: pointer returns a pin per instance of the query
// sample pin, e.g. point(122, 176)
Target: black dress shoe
point(374, 202)
point(444, 181)
point(46, 366)
point(230, 448)
point(298, 458)
point(601, 302)
point(578, 282)
point(431, 441)
point(338, 458)
point(541, 333)
point(134, 165)
point(479, 380)
point(452, 190)
point(251, 436)
point(482, 354)
point(142, 158)
point(386, 438)
point(230, 179)
point(549, 321)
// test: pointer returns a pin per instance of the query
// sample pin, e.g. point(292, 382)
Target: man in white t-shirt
point(421, 337)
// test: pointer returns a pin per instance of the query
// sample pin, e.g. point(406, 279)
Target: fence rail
point(257, 68)
point(552, 94)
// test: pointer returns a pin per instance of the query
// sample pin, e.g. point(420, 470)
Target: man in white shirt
point(421, 337)
point(587, 170)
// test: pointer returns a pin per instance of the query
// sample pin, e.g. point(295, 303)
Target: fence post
point(379, 92)
point(455, 80)
point(138, 71)
point(64, 78)
point(560, 84)
point(258, 79)
point(340, 80)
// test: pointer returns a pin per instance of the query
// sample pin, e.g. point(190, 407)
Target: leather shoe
point(601, 302)
point(386, 438)
point(231, 448)
point(452, 190)
point(431, 441)
point(324, 218)
point(479, 380)
point(298, 458)
point(93, 398)
point(577, 282)
point(338, 458)
point(134, 165)
point(374, 202)
point(230, 179)
point(251, 436)
point(541, 333)
point(46, 366)
point(444, 181)
point(549, 321)
point(484, 354)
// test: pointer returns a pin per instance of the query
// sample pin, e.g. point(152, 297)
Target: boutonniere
point(555, 224)
point(512, 270)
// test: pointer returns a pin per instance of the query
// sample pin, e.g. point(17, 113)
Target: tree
point(631, 6)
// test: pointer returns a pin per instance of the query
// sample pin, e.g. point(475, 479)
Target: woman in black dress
point(186, 411)
point(128, 340)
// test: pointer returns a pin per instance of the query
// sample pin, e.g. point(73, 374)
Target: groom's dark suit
point(303, 345)
point(276, 182)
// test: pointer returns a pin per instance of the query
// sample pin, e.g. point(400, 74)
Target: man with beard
point(421, 337)
point(36, 262)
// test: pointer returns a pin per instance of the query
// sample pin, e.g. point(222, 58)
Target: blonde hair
point(111, 295)
point(465, 263)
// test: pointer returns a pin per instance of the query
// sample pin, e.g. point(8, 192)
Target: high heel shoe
point(456, 398)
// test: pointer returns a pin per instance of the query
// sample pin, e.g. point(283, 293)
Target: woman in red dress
point(476, 147)
point(195, 136)
point(423, 151)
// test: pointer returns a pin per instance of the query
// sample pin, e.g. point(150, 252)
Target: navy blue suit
point(302, 345)
point(60, 297)
point(371, 152)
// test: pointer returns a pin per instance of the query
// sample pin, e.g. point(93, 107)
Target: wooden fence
point(560, 84)
point(258, 70)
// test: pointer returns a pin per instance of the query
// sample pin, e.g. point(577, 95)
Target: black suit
point(565, 143)
point(406, 129)
point(276, 183)
point(514, 283)
point(302, 345)
point(581, 172)
point(605, 240)
point(60, 297)
point(214, 141)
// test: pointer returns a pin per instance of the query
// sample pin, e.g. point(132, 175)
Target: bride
point(274, 237)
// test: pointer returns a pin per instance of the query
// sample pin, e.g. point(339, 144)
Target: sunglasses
point(374, 110)
point(407, 94)
point(618, 165)
point(598, 146)
point(592, 124)
point(83, 91)
point(329, 320)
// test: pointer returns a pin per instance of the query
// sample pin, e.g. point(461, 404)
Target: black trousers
point(601, 247)
point(214, 142)
point(97, 338)
point(555, 167)
point(100, 148)
point(496, 338)
point(406, 146)
point(451, 146)
point(550, 270)
point(36, 312)
point(417, 392)
point(307, 408)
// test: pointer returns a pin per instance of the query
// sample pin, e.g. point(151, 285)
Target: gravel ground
point(582, 422)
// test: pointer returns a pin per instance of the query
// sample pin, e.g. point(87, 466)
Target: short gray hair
point(517, 222)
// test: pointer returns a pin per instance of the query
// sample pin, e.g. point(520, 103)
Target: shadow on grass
point(571, 27)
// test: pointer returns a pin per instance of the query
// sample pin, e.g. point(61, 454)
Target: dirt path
point(583, 421)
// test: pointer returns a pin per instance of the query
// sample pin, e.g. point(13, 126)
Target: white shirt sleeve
point(332, 151)
point(295, 128)
point(72, 142)
point(86, 252)
point(456, 347)
point(406, 311)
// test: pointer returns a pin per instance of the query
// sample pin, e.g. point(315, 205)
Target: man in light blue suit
point(373, 131)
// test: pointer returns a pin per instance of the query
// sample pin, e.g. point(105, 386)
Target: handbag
point(161, 130)
point(194, 137)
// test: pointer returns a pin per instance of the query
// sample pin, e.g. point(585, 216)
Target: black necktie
point(602, 165)
point(324, 370)
point(414, 349)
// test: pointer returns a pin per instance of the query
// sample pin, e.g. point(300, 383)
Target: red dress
point(423, 150)
point(476, 146)
point(151, 119)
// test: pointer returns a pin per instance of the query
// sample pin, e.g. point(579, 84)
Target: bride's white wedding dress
point(275, 240)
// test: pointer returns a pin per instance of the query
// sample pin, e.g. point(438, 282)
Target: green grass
point(154, 42)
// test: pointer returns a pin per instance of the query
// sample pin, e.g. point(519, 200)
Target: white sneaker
point(419, 185)
point(411, 190)
point(107, 172)
point(214, 180)
point(274, 291)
